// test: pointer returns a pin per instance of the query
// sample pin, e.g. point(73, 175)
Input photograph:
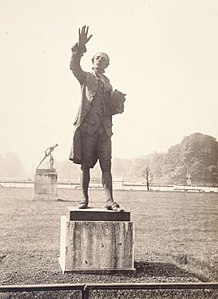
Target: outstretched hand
point(83, 36)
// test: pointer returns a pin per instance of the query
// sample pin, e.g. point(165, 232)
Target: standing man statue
point(93, 124)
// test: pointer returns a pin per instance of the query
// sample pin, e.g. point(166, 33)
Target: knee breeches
point(94, 147)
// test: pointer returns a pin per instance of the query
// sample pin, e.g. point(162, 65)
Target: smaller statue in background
point(48, 152)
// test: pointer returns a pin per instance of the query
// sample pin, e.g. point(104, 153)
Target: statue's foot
point(114, 207)
point(83, 205)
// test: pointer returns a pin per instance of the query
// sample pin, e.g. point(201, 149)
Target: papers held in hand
point(118, 99)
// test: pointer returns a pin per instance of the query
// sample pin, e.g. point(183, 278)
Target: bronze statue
point(93, 124)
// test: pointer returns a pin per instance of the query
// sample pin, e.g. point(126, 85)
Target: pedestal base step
point(95, 214)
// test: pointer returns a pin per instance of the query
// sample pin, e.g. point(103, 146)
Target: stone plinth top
point(45, 170)
point(96, 214)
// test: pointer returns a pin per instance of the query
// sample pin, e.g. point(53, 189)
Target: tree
point(148, 177)
point(11, 166)
point(196, 155)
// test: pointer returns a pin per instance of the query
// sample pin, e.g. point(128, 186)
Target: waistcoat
point(99, 111)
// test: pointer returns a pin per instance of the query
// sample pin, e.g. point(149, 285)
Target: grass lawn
point(176, 236)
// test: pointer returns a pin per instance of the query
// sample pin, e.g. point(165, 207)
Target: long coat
point(89, 85)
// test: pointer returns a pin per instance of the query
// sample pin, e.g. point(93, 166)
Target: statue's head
point(100, 61)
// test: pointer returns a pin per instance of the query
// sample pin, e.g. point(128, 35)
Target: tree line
point(11, 166)
point(194, 160)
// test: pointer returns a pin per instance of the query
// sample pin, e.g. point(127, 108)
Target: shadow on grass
point(64, 200)
point(166, 270)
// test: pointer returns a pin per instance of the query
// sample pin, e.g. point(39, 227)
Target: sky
point(163, 55)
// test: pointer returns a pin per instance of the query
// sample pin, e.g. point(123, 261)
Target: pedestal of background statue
point(45, 184)
point(96, 240)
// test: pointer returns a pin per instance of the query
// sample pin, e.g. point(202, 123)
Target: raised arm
point(77, 52)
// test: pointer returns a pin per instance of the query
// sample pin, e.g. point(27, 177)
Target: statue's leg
point(104, 153)
point(85, 179)
point(86, 150)
point(108, 186)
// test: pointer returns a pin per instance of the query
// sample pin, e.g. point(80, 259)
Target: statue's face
point(100, 61)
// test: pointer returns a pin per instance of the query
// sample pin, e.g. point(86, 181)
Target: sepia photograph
point(109, 149)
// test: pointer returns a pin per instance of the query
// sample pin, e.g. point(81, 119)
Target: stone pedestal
point(45, 184)
point(96, 240)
